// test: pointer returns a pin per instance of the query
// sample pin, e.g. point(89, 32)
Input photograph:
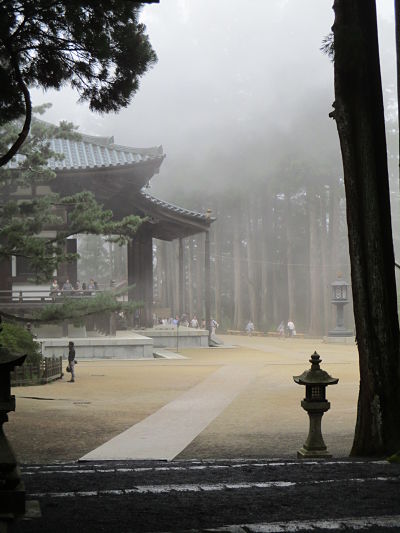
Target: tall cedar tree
point(360, 122)
point(96, 46)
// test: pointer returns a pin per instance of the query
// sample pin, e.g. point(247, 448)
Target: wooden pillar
point(207, 283)
point(147, 266)
point(181, 280)
point(72, 268)
point(5, 279)
point(113, 324)
point(140, 274)
point(133, 254)
point(68, 270)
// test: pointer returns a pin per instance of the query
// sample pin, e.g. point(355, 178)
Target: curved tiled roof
point(92, 151)
point(204, 217)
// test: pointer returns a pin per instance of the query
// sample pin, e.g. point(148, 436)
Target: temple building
point(117, 176)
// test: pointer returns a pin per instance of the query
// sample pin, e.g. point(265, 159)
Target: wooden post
point(6, 280)
point(147, 276)
point(72, 268)
point(140, 274)
point(113, 324)
point(181, 280)
point(207, 283)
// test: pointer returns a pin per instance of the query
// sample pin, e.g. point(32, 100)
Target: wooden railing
point(42, 296)
point(47, 369)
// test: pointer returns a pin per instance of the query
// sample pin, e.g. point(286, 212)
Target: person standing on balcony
point(54, 289)
point(67, 288)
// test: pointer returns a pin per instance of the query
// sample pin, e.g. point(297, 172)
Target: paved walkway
point(168, 431)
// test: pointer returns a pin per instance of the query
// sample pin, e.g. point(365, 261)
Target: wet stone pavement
point(232, 496)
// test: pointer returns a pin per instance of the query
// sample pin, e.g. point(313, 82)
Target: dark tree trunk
point(397, 19)
point(360, 122)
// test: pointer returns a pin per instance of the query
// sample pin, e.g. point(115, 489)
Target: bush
point(19, 341)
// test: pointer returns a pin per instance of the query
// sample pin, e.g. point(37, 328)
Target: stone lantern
point(12, 490)
point(339, 298)
point(316, 404)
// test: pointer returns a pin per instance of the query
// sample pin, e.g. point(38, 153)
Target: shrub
point(19, 341)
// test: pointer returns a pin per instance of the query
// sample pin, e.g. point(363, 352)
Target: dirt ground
point(63, 421)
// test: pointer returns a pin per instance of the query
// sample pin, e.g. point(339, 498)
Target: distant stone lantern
point(316, 404)
point(339, 298)
point(12, 490)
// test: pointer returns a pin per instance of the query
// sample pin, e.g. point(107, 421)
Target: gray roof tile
point(92, 151)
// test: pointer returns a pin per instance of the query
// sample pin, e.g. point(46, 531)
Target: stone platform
point(129, 346)
point(171, 336)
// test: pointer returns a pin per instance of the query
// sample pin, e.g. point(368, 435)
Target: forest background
point(243, 119)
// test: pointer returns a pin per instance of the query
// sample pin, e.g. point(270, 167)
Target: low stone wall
point(101, 347)
point(166, 337)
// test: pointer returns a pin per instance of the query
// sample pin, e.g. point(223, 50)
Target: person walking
point(291, 328)
point(249, 328)
point(71, 361)
point(214, 325)
point(281, 330)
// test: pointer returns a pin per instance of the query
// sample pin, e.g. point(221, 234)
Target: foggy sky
point(231, 74)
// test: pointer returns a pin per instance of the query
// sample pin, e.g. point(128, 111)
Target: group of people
point(291, 329)
point(184, 320)
point(83, 289)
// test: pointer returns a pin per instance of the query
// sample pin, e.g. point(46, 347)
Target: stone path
point(164, 434)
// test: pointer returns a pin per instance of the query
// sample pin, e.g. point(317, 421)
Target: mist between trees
point(280, 237)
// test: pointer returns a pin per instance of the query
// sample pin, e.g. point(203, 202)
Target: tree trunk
point(190, 278)
point(199, 278)
point(325, 264)
point(237, 281)
point(252, 264)
point(397, 19)
point(217, 273)
point(315, 274)
point(360, 121)
point(276, 315)
point(290, 265)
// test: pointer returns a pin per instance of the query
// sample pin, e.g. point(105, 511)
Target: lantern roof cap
point(315, 376)
point(9, 360)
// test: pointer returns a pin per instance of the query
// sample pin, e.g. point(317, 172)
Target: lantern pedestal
point(314, 447)
point(339, 299)
point(315, 403)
